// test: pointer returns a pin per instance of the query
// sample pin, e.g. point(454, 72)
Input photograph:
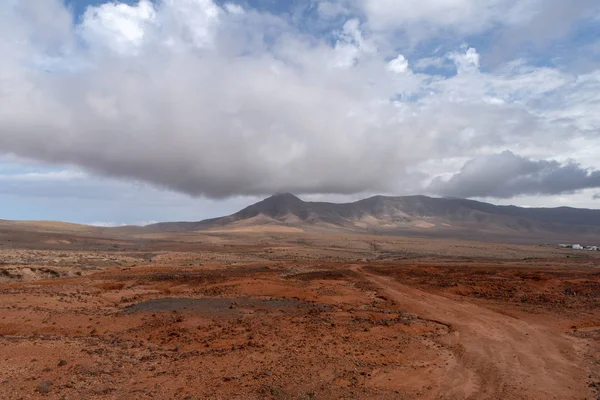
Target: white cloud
point(465, 62)
point(424, 15)
point(234, 8)
point(351, 45)
point(511, 22)
point(117, 25)
point(204, 100)
point(332, 9)
point(398, 65)
point(189, 22)
point(51, 20)
point(430, 62)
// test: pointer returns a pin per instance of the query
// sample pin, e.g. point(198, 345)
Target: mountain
point(407, 215)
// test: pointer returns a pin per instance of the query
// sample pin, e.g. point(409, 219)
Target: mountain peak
point(413, 215)
point(278, 205)
point(285, 196)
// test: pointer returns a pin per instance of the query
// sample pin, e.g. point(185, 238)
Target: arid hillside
point(419, 216)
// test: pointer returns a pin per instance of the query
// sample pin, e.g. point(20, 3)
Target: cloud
point(422, 19)
point(431, 62)
point(465, 62)
point(117, 25)
point(220, 101)
point(596, 196)
point(542, 22)
point(398, 65)
point(332, 9)
point(507, 175)
point(511, 22)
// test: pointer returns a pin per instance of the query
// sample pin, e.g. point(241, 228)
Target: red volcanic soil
point(286, 316)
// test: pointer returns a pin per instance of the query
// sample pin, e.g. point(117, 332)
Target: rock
point(45, 387)
point(62, 363)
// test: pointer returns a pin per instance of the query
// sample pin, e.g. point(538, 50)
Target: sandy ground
point(276, 315)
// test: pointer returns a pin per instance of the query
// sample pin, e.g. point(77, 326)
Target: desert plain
point(105, 314)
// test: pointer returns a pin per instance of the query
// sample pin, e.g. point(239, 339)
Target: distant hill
point(407, 215)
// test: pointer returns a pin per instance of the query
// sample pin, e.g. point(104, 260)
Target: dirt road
point(497, 356)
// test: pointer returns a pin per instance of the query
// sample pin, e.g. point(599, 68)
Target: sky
point(140, 111)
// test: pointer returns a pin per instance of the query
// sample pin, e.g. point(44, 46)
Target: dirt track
point(278, 316)
point(497, 355)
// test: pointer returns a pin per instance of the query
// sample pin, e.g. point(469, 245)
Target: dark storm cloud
point(507, 175)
